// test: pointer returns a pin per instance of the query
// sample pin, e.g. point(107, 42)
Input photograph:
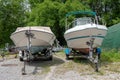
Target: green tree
point(52, 13)
point(46, 14)
point(33, 3)
point(106, 9)
point(12, 15)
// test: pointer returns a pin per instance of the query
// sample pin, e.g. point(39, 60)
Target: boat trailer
point(27, 55)
point(93, 54)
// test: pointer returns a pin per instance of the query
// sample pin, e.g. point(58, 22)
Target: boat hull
point(78, 38)
point(42, 38)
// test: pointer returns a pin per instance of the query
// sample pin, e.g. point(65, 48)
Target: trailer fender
point(67, 51)
point(98, 50)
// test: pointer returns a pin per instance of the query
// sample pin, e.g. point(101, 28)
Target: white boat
point(40, 38)
point(85, 37)
point(83, 30)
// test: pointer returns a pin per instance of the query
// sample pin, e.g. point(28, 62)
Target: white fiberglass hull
point(42, 38)
point(78, 36)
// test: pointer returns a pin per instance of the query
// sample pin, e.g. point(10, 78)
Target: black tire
point(67, 57)
point(51, 58)
point(99, 56)
point(21, 59)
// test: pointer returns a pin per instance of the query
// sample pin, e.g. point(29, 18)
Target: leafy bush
point(111, 55)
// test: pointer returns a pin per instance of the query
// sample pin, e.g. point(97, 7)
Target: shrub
point(111, 55)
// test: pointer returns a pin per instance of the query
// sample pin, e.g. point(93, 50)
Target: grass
point(111, 56)
point(60, 54)
point(109, 62)
point(75, 64)
point(7, 54)
point(45, 70)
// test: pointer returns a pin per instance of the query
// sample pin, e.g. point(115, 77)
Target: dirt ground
point(58, 69)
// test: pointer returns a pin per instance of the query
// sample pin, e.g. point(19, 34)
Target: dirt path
point(58, 69)
point(50, 74)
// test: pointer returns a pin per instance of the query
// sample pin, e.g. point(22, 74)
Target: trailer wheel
point(50, 58)
point(21, 59)
point(67, 57)
point(99, 55)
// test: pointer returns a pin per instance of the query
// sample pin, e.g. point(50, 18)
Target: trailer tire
point(50, 58)
point(99, 56)
point(67, 57)
point(21, 59)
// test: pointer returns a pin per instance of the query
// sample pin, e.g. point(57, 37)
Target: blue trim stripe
point(84, 37)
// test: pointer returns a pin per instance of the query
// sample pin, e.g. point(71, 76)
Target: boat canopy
point(81, 12)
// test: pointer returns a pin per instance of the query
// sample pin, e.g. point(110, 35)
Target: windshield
point(82, 21)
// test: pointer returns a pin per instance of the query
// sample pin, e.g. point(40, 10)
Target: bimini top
point(81, 12)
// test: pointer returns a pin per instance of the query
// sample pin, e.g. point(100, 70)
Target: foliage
point(106, 9)
point(15, 13)
point(11, 16)
point(33, 3)
point(52, 13)
point(110, 56)
point(116, 20)
point(46, 14)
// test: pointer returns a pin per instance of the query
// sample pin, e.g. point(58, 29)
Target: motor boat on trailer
point(34, 39)
point(83, 30)
point(84, 37)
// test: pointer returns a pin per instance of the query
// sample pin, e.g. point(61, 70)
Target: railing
point(81, 21)
point(79, 12)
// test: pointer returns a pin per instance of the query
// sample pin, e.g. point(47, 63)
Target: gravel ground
point(58, 69)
